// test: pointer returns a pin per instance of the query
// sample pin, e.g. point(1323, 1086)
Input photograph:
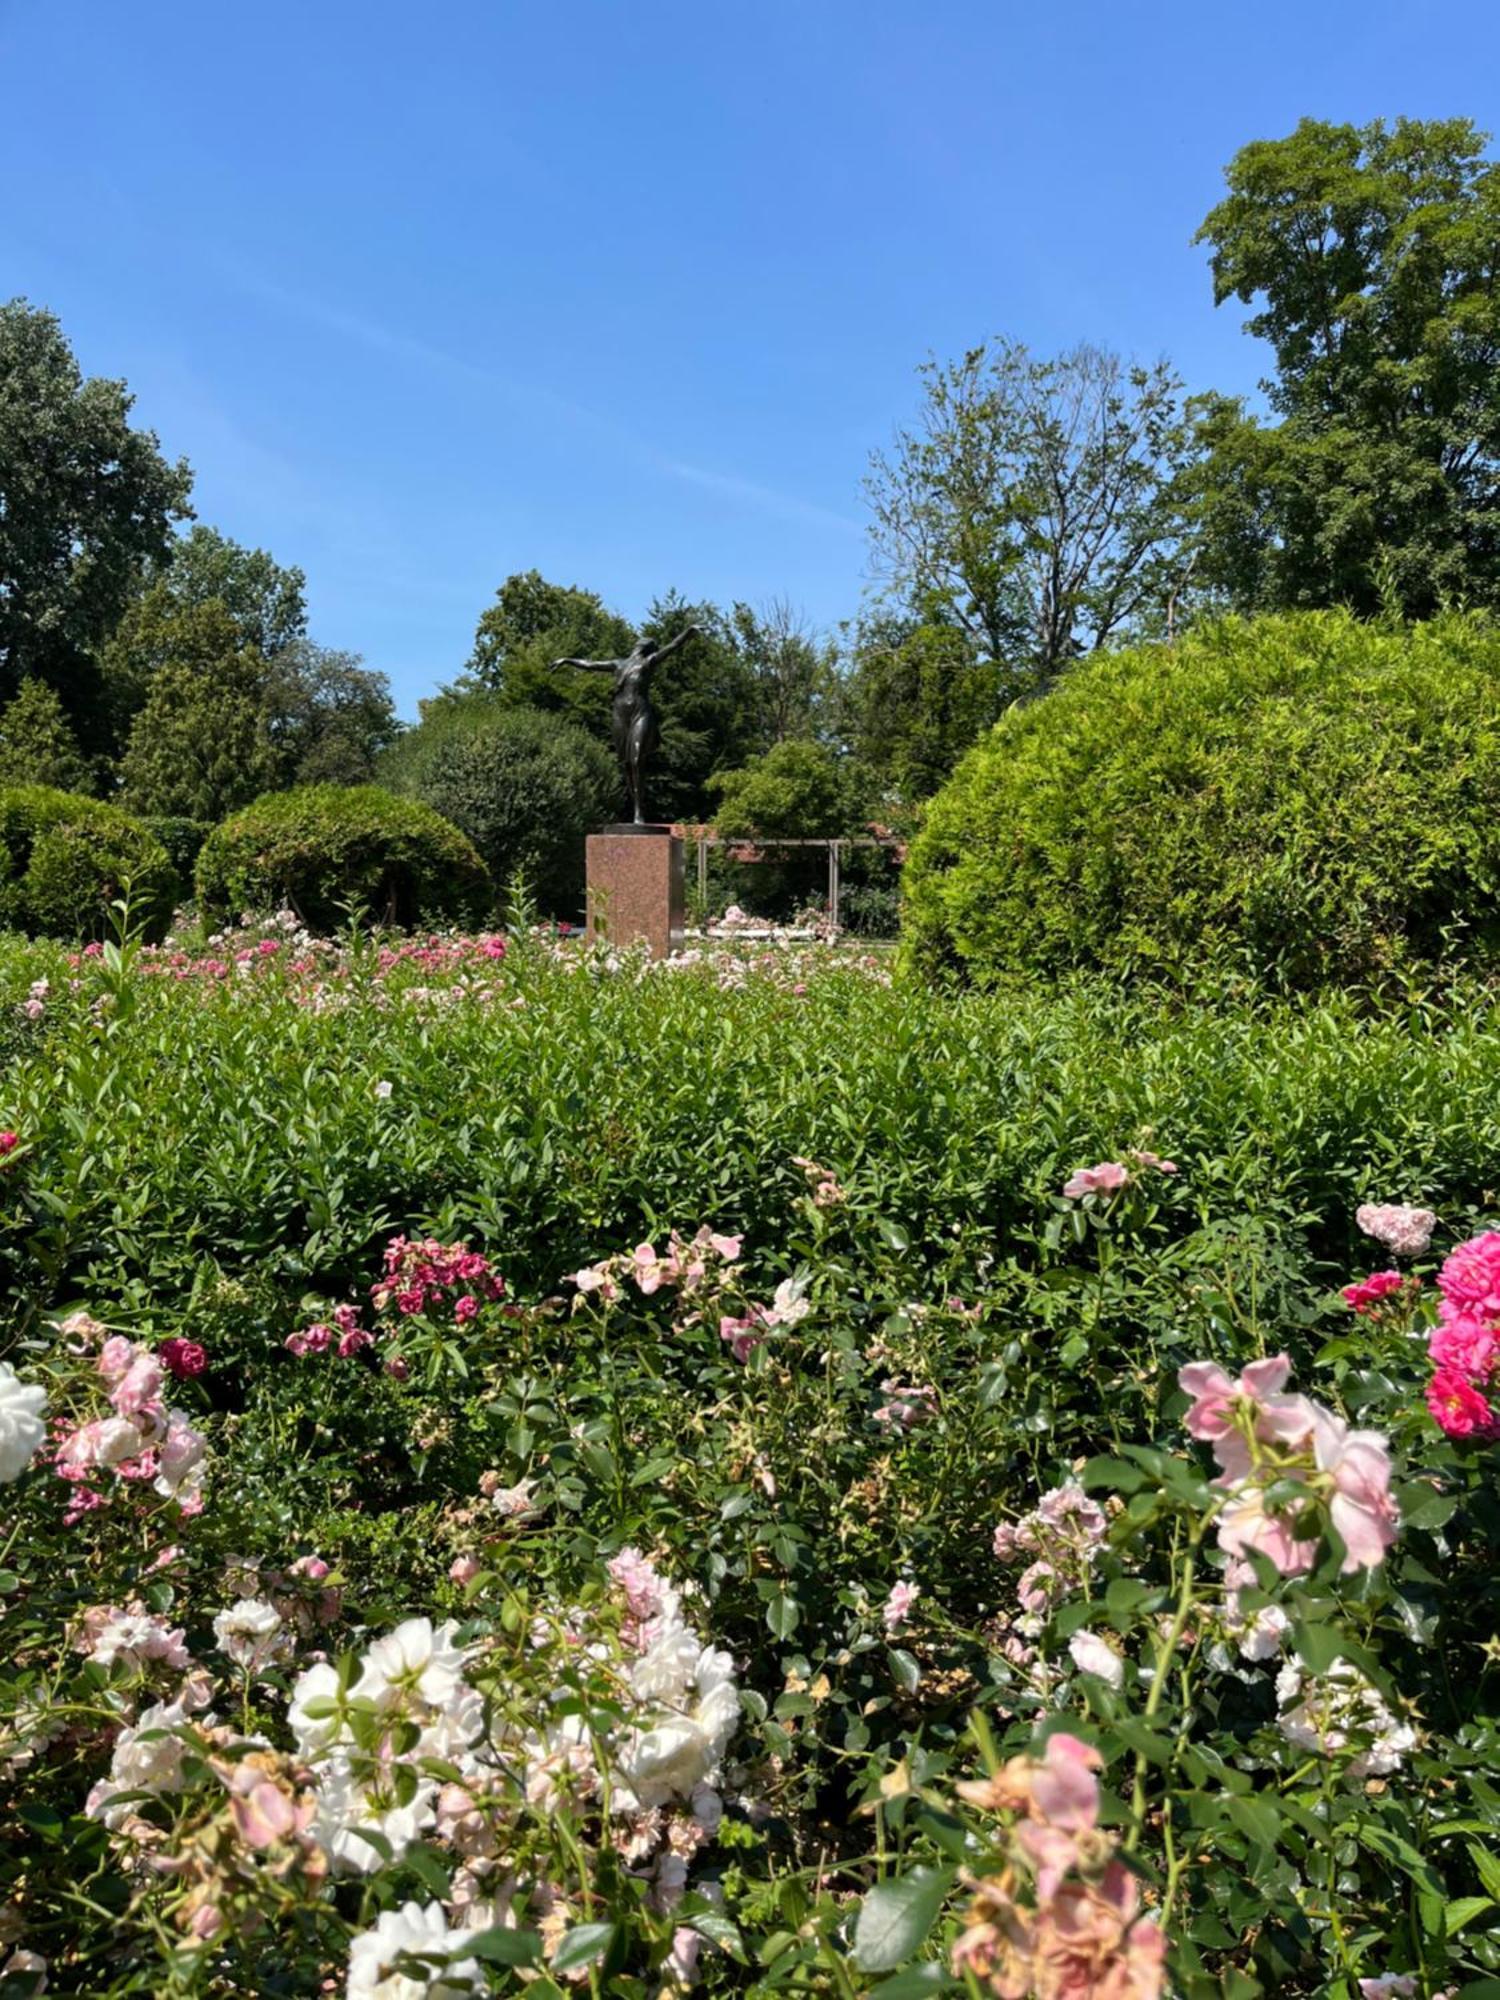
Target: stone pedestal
point(635, 887)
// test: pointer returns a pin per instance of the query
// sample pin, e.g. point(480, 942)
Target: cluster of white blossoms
point(408, 1705)
point(22, 1408)
point(147, 1757)
point(1339, 1711)
point(412, 1954)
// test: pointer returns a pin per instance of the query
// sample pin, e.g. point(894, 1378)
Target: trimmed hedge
point(64, 859)
point(526, 786)
point(326, 849)
point(1311, 799)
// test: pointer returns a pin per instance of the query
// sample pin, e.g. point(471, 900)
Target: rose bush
point(771, 1511)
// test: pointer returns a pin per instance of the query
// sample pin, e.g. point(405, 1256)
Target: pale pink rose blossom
point(1406, 1231)
point(898, 1606)
point(1362, 1509)
point(1106, 1178)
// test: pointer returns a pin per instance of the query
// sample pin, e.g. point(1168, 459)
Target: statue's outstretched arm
point(594, 666)
point(687, 632)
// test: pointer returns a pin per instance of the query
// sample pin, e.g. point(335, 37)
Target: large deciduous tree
point(1035, 505)
point(1372, 256)
point(266, 599)
point(86, 505)
point(328, 715)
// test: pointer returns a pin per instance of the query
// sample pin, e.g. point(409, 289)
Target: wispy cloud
point(383, 339)
point(790, 505)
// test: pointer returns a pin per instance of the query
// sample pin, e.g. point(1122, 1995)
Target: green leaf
point(782, 1614)
point(896, 1916)
point(1487, 1867)
point(505, 1947)
point(1463, 1910)
point(582, 1946)
point(904, 1669)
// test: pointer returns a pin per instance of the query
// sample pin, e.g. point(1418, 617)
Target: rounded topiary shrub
point(1312, 798)
point(328, 850)
point(525, 786)
point(65, 859)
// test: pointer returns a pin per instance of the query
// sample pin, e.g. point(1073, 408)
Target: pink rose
point(1457, 1407)
point(1361, 1509)
point(1363, 1296)
point(1105, 1178)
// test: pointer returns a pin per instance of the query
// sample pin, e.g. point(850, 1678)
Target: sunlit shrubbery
point(468, 1533)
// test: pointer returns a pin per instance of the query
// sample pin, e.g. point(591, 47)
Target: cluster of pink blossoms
point(1062, 1915)
point(823, 1185)
point(1405, 1231)
point(141, 1441)
point(1465, 1344)
point(1061, 1536)
point(1109, 1176)
point(702, 1271)
point(424, 1277)
point(1263, 1441)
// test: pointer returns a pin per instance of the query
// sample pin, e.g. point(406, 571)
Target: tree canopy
point(1370, 253)
point(87, 503)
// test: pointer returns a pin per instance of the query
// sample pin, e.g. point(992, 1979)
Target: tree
point(37, 747)
point(527, 787)
point(199, 747)
point(795, 791)
point(328, 716)
point(705, 693)
point(1371, 253)
point(706, 697)
point(266, 601)
point(793, 675)
point(86, 504)
point(533, 623)
point(918, 697)
point(1036, 505)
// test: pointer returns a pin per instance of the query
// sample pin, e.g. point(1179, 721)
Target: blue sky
point(626, 290)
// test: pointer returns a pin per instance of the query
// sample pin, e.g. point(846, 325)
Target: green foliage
point(199, 746)
point(329, 716)
point(222, 1161)
point(797, 791)
point(526, 787)
point(706, 692)
point(66, 859)
point(37, 745)
point(919, 696)
point(267, 602)
point(183, 840)
point(326, 849)
point(1036, 505)
point(533, 623)
point(1312, 799)
point(85, 503)
point(1369, 252)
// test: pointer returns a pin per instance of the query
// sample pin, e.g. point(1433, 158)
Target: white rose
point(22, 1406)
point(1093, 1655)
point(375, 1954)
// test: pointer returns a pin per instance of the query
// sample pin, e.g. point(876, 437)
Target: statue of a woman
point(633, 726)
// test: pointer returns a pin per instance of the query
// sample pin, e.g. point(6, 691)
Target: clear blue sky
point(622, 289)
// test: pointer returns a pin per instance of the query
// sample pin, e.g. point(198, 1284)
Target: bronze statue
point(633, 727)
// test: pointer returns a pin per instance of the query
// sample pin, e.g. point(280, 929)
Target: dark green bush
point(526, 787)
point(1309, 797)
point(65, 859)
point(328, 848)
point(182, 838)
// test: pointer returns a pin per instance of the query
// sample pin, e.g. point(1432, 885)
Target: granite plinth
point(635, 888)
